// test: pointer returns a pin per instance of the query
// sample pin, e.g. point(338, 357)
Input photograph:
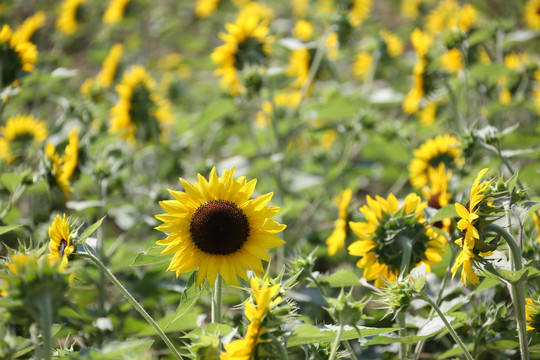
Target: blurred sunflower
point(300, 8)
point(531, 14)
point(303, 30)
point(115, 11)
point(30, 26)
point(108, 71)
point(358, 11)
point(60, 246)
point(70, 17)
point(215, 227)
point(387, 226)
point(298, 67)
point(451, 61)
point(336, 241)
point(141, 113)
point(362, 64)
point(19, 135)
point(63, 167)
point(264, 300)
point(205, 8)
point(532, 310)
point(16, 56)
point(258, 9)
point(428, 114)
point(436, 191)
point(394, 45)
point(413, 8)
point(246, 44)
point(537, 223)
point(443, 149)
point(421, 42)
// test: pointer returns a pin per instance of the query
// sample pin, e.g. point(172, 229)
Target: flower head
point(532, 310)
point(69, 20)
point(436, 191)
point(451, 60)
point(30, 26)
point(60, 246)
point(336, 241)
point(215, 227)
point(19, 134)
point(303, 30)
point(387, 225)
point(63, 167)
point(531, 13)
point(362, 64)
point(115, 11)
point(17, 56)
point(537, 223)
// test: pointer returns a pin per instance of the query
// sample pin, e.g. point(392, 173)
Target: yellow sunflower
point(141, 113)
point(336, 241)
point(359, 11)
point(69, 19)
point(60, 246)
point(428, 114)
point(531, 14)
point(63, 167)
point(436, 192)
point(362, 64)
point(394, 45)
point(466, 259)
point(386, 226)
point(205, 8)
point(110, 64)
point(421, 42)
point(413, 8)
point(298, 67)
point(19, 134)
point(16, 55)
point(442, 149)
point(215, 227)
point(451, 61)
point(532, 310)
point(30, 26)
point(303, 30)
point(115, 11)
point(300, 8)
point(246, 43)
point(537, 223)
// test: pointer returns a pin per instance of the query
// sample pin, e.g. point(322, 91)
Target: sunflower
point(246, 44)
point(63, 167)
point(30, 26)
point(467, 259)
point(413, 8)
point(394, 45)
point(362, 64)
point(264, 300)
point(215, 227)
point(19, 134)
point(532, 310)
point(336, 241)
point(531, 14)
point(359, 11)
point(451, 61)
point(428, 114)
point(298, 67)
point(537, 223)
point(110, 64)
point(205, 8)
point(421, 42)
point(300, 8)
point(70, 16)
point(60, 246)
point(386, 226)
point(141, 113)
point(115, 11)
point(442, 149)
point(16, 56)
point(436, 191)
point(303, 30)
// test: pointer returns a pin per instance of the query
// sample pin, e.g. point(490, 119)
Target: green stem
point(101, 248)
point(402, 324)
point(337, 340)
point(451, 330)
point(282, 351)
point(131, 299)
point(45, 322)
point(350, 349)
point(216, 300)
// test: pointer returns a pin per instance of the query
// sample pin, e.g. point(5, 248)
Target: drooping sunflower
point(532, 310)
point(115, 11)
point(30, 26)
point(19, 135)
point(246, 43)
point(443, 149)
point(141, 113)
point(531, 14)
point(60, 246)
point(336, 241)
point(215, 227)
point(70, 17)
point(387, 225)
point(16, 55)
point(63, 167)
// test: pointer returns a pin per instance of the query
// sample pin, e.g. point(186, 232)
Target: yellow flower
point(336, 241)
point(215, 227)
point(69, 18)
point(328, 139)
point(451, 60)
point(421, 41)
point(505, 97)
point(532, 311)
point(531, 13)
point(394, 45)
point(516, 61)
point(359, 11)
point(537, 223)
point(436, 191)
point(205, 8)
point(466, 259)
point(60, 246)
point(466, 17)
point(332, 46)
point(141, 113)
point(303, 30)
point(18, 136)
point(30, 26)
point(411, 103)
point(386, 226)
point(16, 55)
point(108, 71)
point(115, 11)
point(245, 43)
point(257, 9)
point(442, 149)
point(443, 16)
point(413, 8)
point(298, 67)
point(362, 64)
point(63, 167)
point(428, 114)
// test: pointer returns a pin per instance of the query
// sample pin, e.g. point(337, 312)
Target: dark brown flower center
point(62, 247)
point(219, 227)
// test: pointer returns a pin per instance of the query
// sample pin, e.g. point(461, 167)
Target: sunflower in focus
point(63, 167)
point(70, 17)
point(264, 300)
point(532, 310)
point(443, 149)
point(30, 26)
point(60, 246)
point(215, 227)
point(336, 241)
point(115, 11)
point(382, 235)
point(17, 56)
point(141, 113)
point(531, 14)
point(246, 43)
point(19, 135)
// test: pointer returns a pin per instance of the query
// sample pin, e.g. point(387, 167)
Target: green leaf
point(509, 275)
point(449, 211)
point(90, 230)
point(309, 334)
point(115, 350)
point(151, 257)
point(341, 278)
point(11, 180)
point(210, 329)
point(215, 111)
point(525, 209)
point(188, 322)
point(490, 73)
point(189, 298)
point(8, 228)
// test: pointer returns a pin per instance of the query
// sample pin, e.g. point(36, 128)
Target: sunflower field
point(237, 179)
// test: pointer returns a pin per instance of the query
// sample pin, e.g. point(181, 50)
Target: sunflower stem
point(282, 350)
point(516, 289)
point(349, 348)
point(90, 255)
point(45, 322)
point(216, 300)
point(451, 330)
point(337, 340)
point(402, 324)
point(100, 247)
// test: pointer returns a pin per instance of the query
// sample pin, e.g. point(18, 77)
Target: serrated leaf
point(309, 334)
point(7, 228)
point(449, 211)
point(509, 275)
point(151, 257)
point(189, 298)
point(341, 278)
point(90, 230)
